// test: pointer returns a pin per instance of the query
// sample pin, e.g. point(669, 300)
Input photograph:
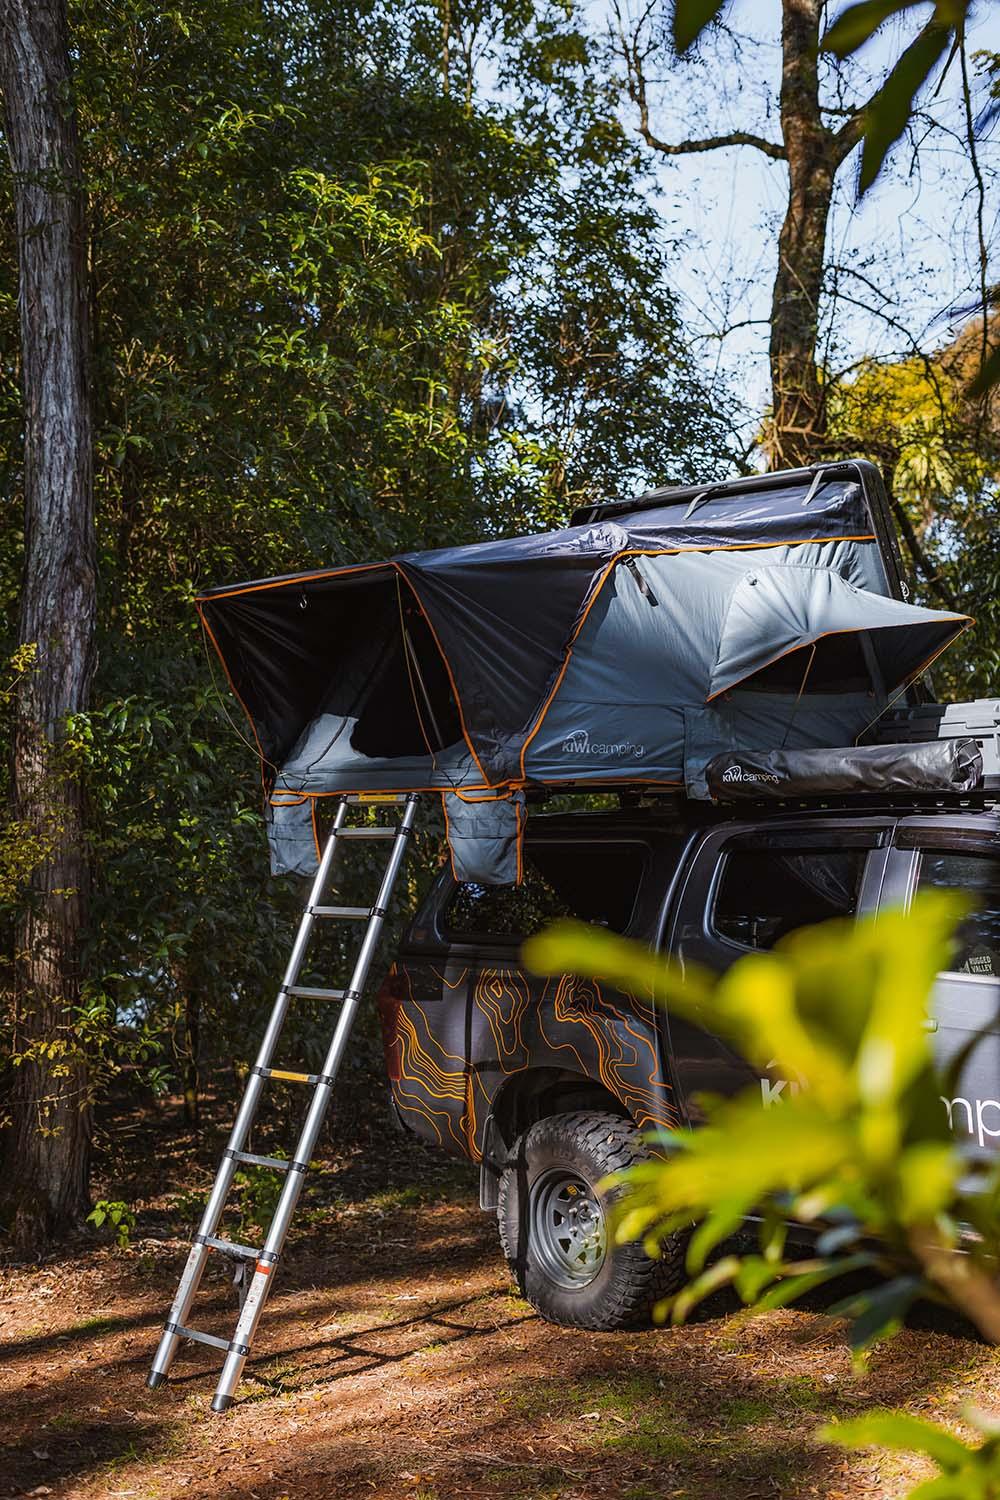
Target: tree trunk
point(798, 423)
point(813, 154)
point(47, 1170)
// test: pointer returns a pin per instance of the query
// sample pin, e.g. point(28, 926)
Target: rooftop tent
point(628, 648)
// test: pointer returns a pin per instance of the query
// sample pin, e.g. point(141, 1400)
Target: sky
point(913, 236)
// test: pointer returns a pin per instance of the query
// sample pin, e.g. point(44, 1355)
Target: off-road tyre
point(624, 1284)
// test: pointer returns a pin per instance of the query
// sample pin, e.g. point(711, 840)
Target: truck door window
point(765, 893)
point(595, 883)
point(977, 949)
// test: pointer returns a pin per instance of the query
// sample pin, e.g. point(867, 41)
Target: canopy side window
point(977, 942)
point(596, 883)
point(764, 894)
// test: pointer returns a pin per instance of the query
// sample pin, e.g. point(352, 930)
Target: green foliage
point(939, 451)
point(690, 19)
point(343, 305)
point(257, 1194)
point(861, 1148)
point(120, 1217)
point(967, 1472)
point(889, 112)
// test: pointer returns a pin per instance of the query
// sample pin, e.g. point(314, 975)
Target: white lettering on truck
point(975, 1117)
point(971, 1116)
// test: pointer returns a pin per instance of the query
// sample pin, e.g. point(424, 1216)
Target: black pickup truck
point(549, 1084)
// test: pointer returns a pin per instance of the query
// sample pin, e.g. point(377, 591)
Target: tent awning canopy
point(790, 628)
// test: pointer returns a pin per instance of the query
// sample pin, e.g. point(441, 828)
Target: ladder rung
point(307, 992)
point(289, 1077)
point(201, 1338)
point(246, 1252)
point(374, 799)
point(277, 1163)
point(354, 913)
point(366, 833)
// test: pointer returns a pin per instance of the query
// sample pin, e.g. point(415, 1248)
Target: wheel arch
point(529, 1096)
point(536, 1093)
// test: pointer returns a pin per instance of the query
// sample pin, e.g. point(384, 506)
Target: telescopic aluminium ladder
point(265, 1258)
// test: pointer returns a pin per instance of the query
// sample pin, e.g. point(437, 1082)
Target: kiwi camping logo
point(580, 743)
point(739, 773)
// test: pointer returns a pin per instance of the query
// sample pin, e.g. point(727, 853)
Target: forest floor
point(395, 1360)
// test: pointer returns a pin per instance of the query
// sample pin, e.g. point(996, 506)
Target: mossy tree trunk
point(47, 1166)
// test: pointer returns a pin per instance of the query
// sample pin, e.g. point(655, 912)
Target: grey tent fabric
point(774, 611)
point(640, 696)
point(485, 836)
point(291, 836)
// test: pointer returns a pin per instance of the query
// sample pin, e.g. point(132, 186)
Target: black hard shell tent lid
point(597, 653)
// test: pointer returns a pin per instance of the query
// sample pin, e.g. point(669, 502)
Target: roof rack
point(636, 795)
point(980, 800)
point(857, 469)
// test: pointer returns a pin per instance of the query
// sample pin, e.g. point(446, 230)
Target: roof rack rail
point(874, 802)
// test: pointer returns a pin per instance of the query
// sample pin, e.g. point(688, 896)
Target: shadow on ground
point(395, 1360)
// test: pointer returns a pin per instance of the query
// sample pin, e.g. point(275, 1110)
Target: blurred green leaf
point(889, 112)
point(901, 1432)
point(855, 25)
point(690, 19)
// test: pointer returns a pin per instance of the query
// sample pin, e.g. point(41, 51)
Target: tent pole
point(408, 645)
point(798, 695)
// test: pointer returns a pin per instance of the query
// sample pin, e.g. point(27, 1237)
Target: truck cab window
point(977, 948)
point(595, 883)
point(765, 893)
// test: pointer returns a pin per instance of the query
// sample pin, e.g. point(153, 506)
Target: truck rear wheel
point(554, 1232)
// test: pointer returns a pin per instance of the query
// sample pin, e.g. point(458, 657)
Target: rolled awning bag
point(777, 775)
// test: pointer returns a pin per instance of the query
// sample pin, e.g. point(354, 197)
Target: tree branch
point(710, 143)
point(636, 83)
point(847, 137)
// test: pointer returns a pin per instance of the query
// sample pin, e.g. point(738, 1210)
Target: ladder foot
point(155, 1379)
point(221, 1403)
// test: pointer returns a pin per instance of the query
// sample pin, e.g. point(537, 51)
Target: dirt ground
point(396, 1361)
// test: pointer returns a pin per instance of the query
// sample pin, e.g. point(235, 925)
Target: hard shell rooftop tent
point(627, 649)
